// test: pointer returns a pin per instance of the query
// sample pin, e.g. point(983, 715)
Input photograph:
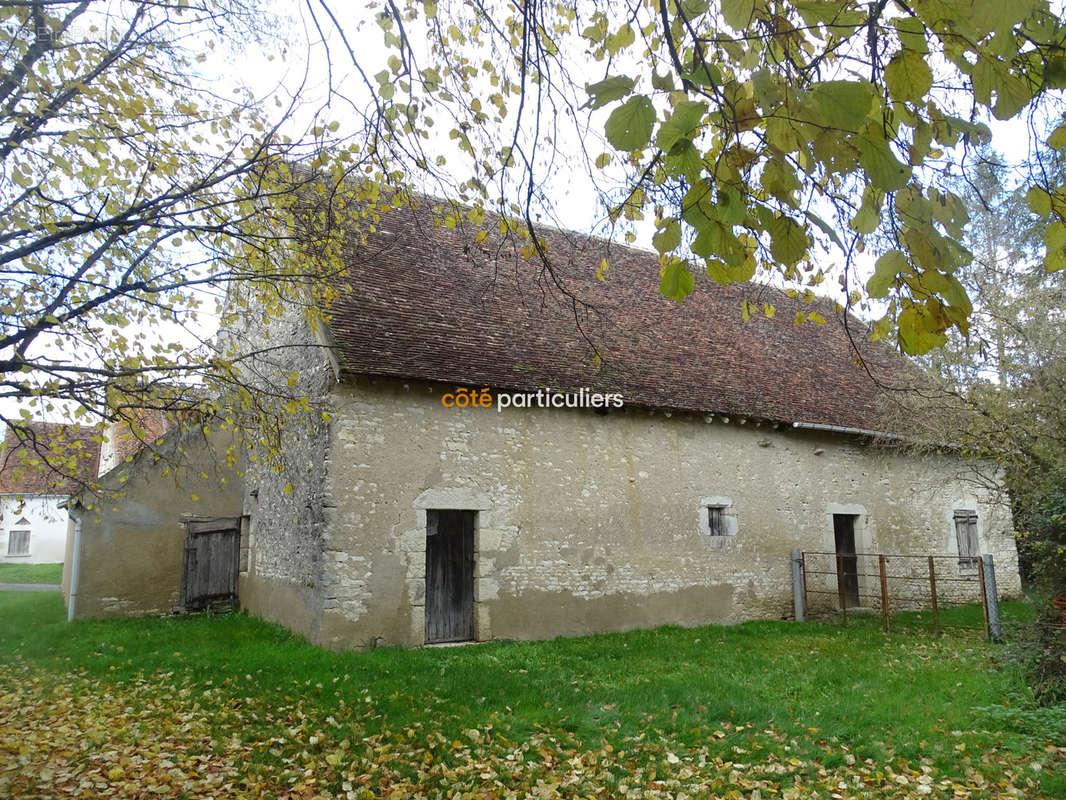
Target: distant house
point(41, 465)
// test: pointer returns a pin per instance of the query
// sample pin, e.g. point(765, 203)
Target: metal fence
point(837, 585)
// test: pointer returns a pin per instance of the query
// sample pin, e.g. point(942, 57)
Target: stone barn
point(503, 451)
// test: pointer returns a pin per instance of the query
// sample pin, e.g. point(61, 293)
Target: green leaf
point(664, 83)
point(913, 207)
point(685, 160)
point(706, 73)
point(1012, 95)
point(991, 74)
point(738, 13)
point(677, 282)
point(1055, 72)
point(921, 143)
point(596, 31)
point(1053, 262)
point(868, 217)
point(1055, 241)
point(886, 269)
point(883, 169)
point(911, 33)
point(956, 295)
point(621, 39)
point(841, 104)
point(820, 11)
point(881, 328)
point(782, 134)
point(950, 211)
point(918, 332)
point(788, 241)
point(683, 123)
point(730, 204)
point(926, 247)
point(947, 133)
point(908, 76)
point(780, 180)
point(608, 90)
point(693, 8)
point(715, 239)
point(825, 227)
point(630, 125)
point(668, 238)
point(1057, 139)
point(1038, 200)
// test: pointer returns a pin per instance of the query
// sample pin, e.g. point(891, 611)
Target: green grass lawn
point(784, 709)
point(31, 573)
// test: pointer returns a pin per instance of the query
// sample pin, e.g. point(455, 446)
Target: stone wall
point(290, 371)
point(132, 534)
point(585, 522)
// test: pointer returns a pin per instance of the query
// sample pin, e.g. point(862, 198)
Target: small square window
point(18, 543)
point(718, 521)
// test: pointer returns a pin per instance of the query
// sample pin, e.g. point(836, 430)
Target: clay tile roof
point(429, 302)
point(151, 425)
point(48, 458)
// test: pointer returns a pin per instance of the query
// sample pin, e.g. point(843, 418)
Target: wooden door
point(449, 576)
point(847, 563)
point(212, 558)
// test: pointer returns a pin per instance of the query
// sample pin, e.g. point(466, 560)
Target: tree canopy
point(771, 138)
point(134, 192)
point(760, 137)
point(998, 394)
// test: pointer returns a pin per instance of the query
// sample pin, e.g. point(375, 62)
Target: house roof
point(126, 438)
point(428, 302)
point(48, 458)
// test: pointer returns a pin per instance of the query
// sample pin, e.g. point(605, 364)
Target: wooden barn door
point(449, 576)
point(212, 558)
point(847, 563)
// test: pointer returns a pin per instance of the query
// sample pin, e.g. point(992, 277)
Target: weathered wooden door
point(212, 558)
point(449, 576)
point(847, 563)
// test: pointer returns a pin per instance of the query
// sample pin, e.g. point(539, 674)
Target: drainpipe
point(814, 426)
point(75, 567)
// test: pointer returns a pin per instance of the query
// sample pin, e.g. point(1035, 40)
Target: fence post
point(884, 592)
point(981, 589)
point(932, 594)
point(798, 600)
point(995, 628)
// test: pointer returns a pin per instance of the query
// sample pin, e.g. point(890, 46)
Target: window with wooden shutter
point(966, 536)
point(18, 543)
point(718, 521)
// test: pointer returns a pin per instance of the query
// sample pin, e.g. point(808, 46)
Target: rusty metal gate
point(839, 584)
point(211, 561)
